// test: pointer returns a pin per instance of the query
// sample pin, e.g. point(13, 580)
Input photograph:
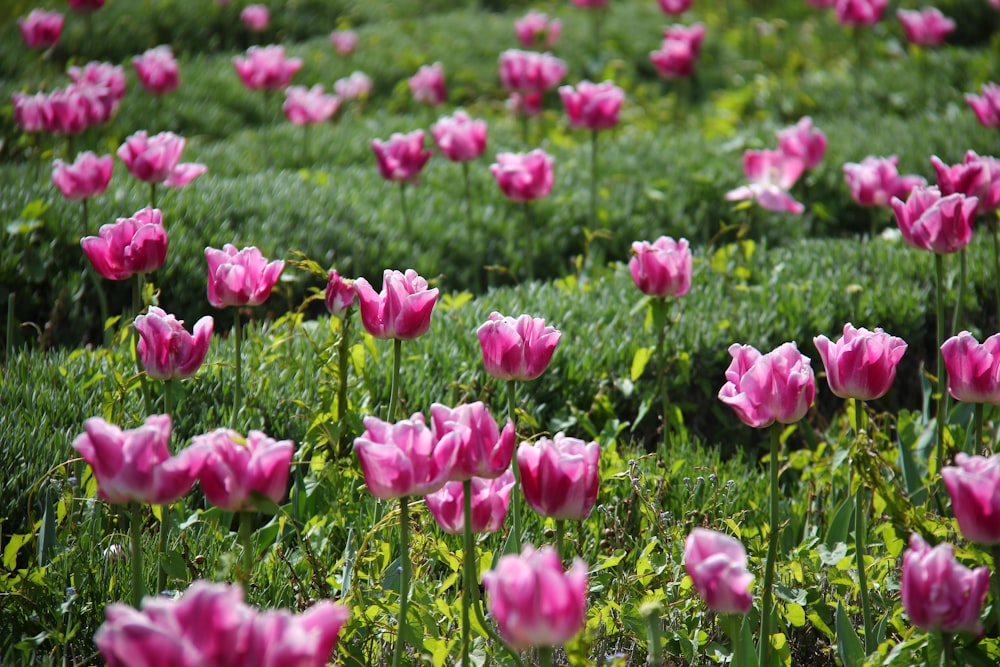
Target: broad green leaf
point(849, 648)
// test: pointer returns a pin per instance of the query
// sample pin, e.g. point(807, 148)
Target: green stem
point(978, 428)
point(397, 353)
point(529, 233)
point(152, 195)
point(404, 579)
point(947, 650)
point(593, 179)
point(161, 546)
point(515, 494)
point(468, 562)
point(764, 646)
point(245, 537)
point(962, 270)
point(660, 323)
point(995, 583)
point(343, 353)
point(238, 386)
point(651, 611)
point(407, 226)
point(545, 656)
point(137, 282)
point(135, 533)
point(10, 326)
point(860, 535)
point(942, 372)
point(560, 534)
point(168, 397)
point(731, 624)
point(86, 215)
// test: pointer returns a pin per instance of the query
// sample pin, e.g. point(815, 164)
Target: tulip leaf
point(639, 361)
point(14, 545)
point(849, 647)
point(47, 531)
point(840, 525)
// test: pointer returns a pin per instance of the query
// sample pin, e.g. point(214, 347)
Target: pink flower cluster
point(926, 27)
point(875, 181)
point(679, 51)
point(211, 626)
point(156, 159)
point(530, 72)
point(91, 99)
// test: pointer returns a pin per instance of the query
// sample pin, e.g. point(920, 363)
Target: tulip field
point(500, 332)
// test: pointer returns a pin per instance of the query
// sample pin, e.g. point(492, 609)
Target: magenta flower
point(156, 159)
point(762, 389)
point(357, 86)
point(40, 29)
point(234, 468)
point(255, 17)
point(771, 174)
point(974, 486)
point(240, 277)
point(304, 106)
point(536, 31)
point(524, 176)
point(402, 157)
point(460, 138)
point(101, 87)
point(279, 637)
point(929, 221)
point(530, 72)
point(973, 368)
point(862, 363)
point(30, 111)
point(136, 465)
point(344, 41)
point(977, 177)
point(803, 141)
point(490, 501)
point(859, 13)
point(87, 176)
point(128, 246)
point(518, 349)
point(157, 70)
point(592, 106)
point(66, 112)
point(401, 310)
point(717, 565)
point(560, 477)
point(427, 85)
point(340, 294)
point(266, 67)
point(986, 106)
point(403, 459)
point(939, 593)
point(534, 601)
point(679, 51)
point(875, 181)
point(926, 27)
point(166, 349)
point(662, 268)
point(675, 7)
point(482, 449)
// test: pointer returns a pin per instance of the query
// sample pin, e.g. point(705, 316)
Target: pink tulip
point(460, 138)
point(862, 363)
point(926, 27)
point(803, 141)
point(929, 221)
point(771, 174)
point(530, 72)
point(344, 41)
point(483, 451)
point(157, 70)
point(859, 13)
point(662, 268)
point(85, 5)
point(128, 246)
point(266, 68)
point(875, 181)
point(167, 350)
point(974, 487)
point(357, 86)
point(102, 86)
point(280, 637)
point(762, 389)
point(592, 106)
point(527, 104)
point(340, 295)
point(136, 465)
point(675, 7)
point(255, 17)
point(674, 59)
point(560, 477)
point(66, 112)
point(717, 565)
point(234, 468)
point(403, 459)
point(986, 106)
point(87, 176)
point(427, 85)
point(518, 349)
point(534, 601)
point(939, 593)
point(401, 310)
point(490, 500)
point(40, 29)
point(304, 106)
point(240, 277)
point(973, 368)
point(693, 35)
point(402, 157)
point(535, 30)
point(30, 111)
point(156, 159)
point(524, 176)
point(977, 177)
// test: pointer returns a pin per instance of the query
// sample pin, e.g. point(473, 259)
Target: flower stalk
point(135, 536)
point(404, 577)
point(767, 604)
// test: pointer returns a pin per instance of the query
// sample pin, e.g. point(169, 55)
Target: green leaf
point(830, 557)
point(639, 361)
point(849, 648)
point(841, 525)
point(14, 545)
